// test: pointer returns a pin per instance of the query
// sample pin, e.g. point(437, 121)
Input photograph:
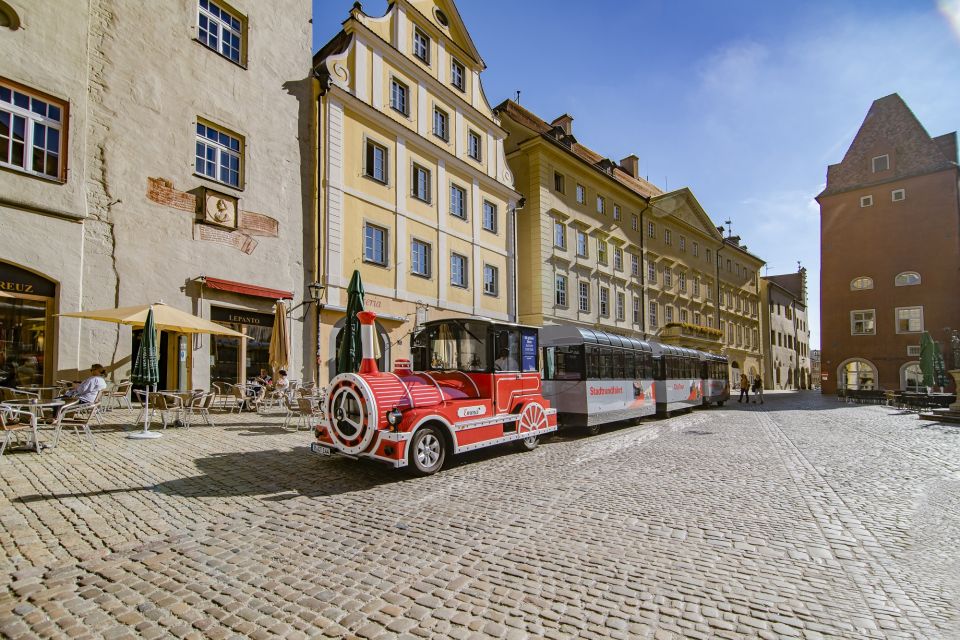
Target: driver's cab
point(500, 359)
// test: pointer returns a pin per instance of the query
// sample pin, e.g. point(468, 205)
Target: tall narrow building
point(415, 191)
point(890, 251)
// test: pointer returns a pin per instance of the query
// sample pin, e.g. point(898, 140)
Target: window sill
point(491, 295)
point(459, 286)
point(377, 180)
point(29, 174)
point(242, 65)
point(422, 276)
point(382, 265)
point(217, 182)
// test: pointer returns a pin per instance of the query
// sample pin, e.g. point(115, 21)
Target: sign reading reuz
point(241, 316)
point(14, 280)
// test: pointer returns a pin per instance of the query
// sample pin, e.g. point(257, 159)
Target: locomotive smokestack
point(368, 365)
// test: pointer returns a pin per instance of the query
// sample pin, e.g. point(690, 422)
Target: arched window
point(8, 17)
point(907, 278)
point(857, 374)
point(863, 282)
point(911, 377)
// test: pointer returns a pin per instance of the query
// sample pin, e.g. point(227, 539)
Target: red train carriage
point(476, 384)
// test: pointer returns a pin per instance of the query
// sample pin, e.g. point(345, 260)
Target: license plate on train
point(319, 449)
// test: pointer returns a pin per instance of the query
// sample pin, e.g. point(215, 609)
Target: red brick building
point(889, 250)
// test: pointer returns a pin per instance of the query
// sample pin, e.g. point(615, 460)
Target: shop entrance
point(26, 327)
point(235, 360)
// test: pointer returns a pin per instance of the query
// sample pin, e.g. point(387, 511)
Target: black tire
point(428, 451)
point(720, 404)
point(528, 444)
point(593, 429)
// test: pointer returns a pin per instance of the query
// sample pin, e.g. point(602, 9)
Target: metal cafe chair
point(13, 422)
point(77, 415)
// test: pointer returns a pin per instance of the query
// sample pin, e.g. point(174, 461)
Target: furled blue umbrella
point(146, 372)
point(350, 351)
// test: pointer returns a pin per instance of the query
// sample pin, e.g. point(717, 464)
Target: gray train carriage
point(593, 377)
point(713, 372)
point(677, 374)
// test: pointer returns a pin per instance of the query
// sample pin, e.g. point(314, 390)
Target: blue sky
point(745, 102)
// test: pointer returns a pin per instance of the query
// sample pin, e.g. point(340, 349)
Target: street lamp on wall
point(314, 295)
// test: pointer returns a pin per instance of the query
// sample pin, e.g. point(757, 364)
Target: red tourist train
point(476, 384)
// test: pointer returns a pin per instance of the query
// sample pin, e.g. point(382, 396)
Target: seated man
point(505, 362)
point(87, 391)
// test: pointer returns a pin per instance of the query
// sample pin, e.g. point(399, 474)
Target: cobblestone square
point(803, 517)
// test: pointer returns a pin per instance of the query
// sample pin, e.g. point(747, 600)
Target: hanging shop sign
point(241, 316)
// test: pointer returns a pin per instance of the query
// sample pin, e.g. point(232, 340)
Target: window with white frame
point(421, 187)
point(458, 75)
point(697, 319)
point(909, 319)
point(709, 287)
point(651, 272)
point(421, 45)
point(880, 163)
point(375, 244)
point(581, 244)
point(860, 283)
point(458, 201)
point(375, 165)
point(913, 350)
point(219, 155)
point(652, 315)
point(581, 194)
point(399, 97)
point(866, 201)
point(560, 291)
point(907, 279)
point(420, 260)
point(667, 237)
point(634, 264)
point(559, 235)
point(683, 244)
point(683, 315)
point(601, 205)
point(441, 124)
point(898, 194)
point(474, 145)
point(682, 281)
point(458, 270)
point(604, 302)
point(696, 287)
point(634, 222)
point(489, 216)
point(491, 280)
point(707, 255)
point(621, 306)
point(667, 278)
point(601, 251)
point(696, 249)
point(616, 212)
point(667, 314)
point(651, 230)
point(710, 321)
point(31, 132)
point(221, 30)
point(617, 259)
point(636, 310)
point(862, 322)
point(583, 294)
point(558, 182)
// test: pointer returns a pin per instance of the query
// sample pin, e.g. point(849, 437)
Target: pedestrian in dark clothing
point(744, 388)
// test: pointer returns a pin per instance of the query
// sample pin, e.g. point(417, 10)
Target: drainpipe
point(643, 275)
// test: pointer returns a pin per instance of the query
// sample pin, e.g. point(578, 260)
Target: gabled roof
point(792, 283)
point(890, 127)
point(457, 26)
point(678, 201)
point(557, 135)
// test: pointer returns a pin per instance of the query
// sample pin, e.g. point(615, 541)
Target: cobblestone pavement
point(802, 517)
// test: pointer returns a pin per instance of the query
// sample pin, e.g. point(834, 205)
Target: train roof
point(712, 357)
point(670, 350)
point(557, 334)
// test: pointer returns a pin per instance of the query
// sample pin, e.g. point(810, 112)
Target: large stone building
point(151, 155)
point(784, 331)
point(738, 296)
point(415, 190)
point(890, 250)
point(601, 247)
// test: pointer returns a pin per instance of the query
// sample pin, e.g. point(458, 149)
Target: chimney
point(565, 122)
point(631, 164)
point(368, 365)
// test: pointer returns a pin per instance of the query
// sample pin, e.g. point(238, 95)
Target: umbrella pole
point(146, 434)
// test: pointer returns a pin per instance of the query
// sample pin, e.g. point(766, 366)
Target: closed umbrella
point(928, 354)
point(279, 348)
point(350, 350)
point(939, 367)
point(146, 371)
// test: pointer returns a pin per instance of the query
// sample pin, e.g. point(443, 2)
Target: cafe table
point(36, 408)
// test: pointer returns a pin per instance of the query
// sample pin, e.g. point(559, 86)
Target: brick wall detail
point(162, 192)
point(258, 224)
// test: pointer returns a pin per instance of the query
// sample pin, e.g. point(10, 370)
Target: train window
point(593, 362)
point(563, 363)
point(454, 345)
point(644, 365)
point(506, 349)
point(606, 363)
point(618, 364)
point(630, 365)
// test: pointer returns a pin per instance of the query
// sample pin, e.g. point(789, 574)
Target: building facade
point(784, 331)
point(136, 165)
point(890, 251)
point(601, 247)
point(415, 191)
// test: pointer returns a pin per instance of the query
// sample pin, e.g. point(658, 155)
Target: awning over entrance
point(247, 289)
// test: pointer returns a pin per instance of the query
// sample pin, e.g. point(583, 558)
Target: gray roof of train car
point(557, 334)
point(670, 350)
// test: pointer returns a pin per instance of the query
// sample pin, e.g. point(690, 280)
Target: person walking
point(744, 388)
point(758, 388)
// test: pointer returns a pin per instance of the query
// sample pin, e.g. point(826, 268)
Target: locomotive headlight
point(394, 417)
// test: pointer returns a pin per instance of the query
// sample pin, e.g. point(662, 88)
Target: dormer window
point(881, 163)
point(421, 46)
point(458, 75)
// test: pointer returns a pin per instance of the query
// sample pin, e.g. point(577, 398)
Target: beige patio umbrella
point(4, 294)
point(279, 355)
point(166, 318)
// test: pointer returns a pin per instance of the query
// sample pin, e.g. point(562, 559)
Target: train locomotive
point(474, 383)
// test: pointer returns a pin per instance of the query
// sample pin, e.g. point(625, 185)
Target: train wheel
point(532, 418)
point(720, 404)
point(427, 451)
point(528, 444)
point(593, 429)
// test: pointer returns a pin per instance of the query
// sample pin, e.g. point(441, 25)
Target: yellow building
point(414, 187)
point(601, 247)
point(739, 312)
